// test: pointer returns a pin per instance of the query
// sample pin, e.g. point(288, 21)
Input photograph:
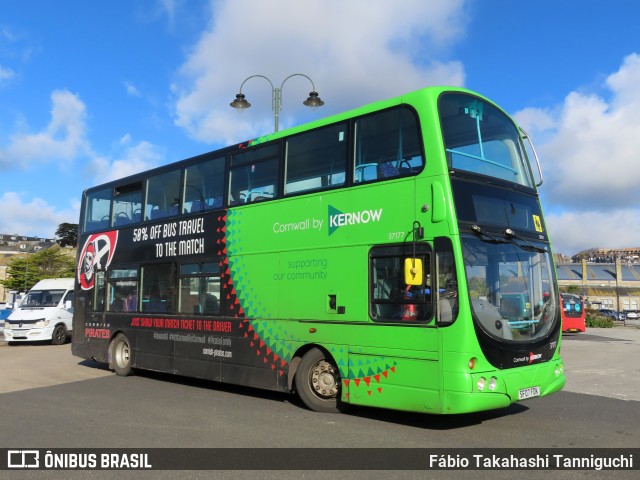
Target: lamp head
point(240, 102)
point(313, 101)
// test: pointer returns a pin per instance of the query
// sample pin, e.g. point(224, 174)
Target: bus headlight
point(41, 323)
point(559, 370)
point(481, 383)
point(493, 383)
point(7, 326)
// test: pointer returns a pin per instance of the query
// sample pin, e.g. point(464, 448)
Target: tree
point(573, 289)
point(67, 234)
point(25, 271)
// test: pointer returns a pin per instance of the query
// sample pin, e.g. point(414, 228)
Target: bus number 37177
point(393, 256)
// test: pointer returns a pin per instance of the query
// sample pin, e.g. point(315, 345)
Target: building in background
point(16, 244)
point(12, 244)
point(629, 256)
point(613, 285)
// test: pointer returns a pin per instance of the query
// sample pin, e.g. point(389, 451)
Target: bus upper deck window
point(163, 195)
point(127, 204)
point(97, 210)
point(388, 145)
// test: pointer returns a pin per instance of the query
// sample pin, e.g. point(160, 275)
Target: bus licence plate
point(528, 393)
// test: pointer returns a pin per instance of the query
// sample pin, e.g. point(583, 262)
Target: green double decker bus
point(392, 256)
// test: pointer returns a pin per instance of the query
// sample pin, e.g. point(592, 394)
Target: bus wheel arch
point(121, 355)
point(317, 380)
point(295, 362)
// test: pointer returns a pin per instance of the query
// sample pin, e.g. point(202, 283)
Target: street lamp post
point(617, 259)
point(276, 97)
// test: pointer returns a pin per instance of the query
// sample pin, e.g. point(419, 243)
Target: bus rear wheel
point(121, 355)
point(318, 382)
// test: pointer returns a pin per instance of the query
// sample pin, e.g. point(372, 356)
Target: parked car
point(612, 314)
point(4, 314)
point(46, 313)
point(631, 314)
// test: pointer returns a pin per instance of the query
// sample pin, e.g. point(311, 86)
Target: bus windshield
point(481, 139)
point(511, 288)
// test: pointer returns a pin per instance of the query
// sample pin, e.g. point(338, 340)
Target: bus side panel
point(232, 359)
point(91, 335)
point(400, 383)
point(253, 376)
point(151, 354)
point(314, 290)
point(393, 367)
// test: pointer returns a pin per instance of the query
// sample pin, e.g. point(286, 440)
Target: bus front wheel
point(318, 382)
point(121, 355)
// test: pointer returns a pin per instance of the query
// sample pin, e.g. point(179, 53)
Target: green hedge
point(598, 321)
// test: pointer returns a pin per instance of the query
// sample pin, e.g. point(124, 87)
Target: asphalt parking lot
point(602, 361)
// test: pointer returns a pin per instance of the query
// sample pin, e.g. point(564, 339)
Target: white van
point(46, 313)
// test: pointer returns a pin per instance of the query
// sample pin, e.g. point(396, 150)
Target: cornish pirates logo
point(96, 248)
point(339, 219)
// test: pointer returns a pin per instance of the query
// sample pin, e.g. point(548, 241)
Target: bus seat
point(387, 170)
point(122, 219)
point(211, 305)
point(156, 213)
point(97, 225)
point(197, 206)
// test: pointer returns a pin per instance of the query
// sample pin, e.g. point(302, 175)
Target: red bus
point(573, 316)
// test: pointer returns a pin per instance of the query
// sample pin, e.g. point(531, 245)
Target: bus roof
point(407, 98)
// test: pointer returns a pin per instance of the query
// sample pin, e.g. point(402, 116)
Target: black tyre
point(121, 355)
point(318, 382)
point(59, 336)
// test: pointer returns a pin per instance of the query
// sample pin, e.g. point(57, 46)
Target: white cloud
point(64, 138)
point(6, 74)
point(572, 231)
point(132, 89)
point(536, 120)
point(130, 159)
point(591, 157)
point(370, 50)
point(33, 217)
point(589, 154)
point(169, 7)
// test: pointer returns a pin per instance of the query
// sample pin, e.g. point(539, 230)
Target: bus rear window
point(97, 210)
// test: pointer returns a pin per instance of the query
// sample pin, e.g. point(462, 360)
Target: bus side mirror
point(413, 274)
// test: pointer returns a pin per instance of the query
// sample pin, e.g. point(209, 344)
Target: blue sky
point(91, 91)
